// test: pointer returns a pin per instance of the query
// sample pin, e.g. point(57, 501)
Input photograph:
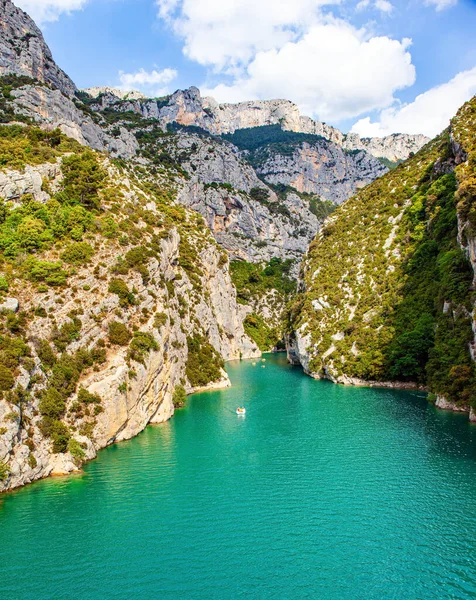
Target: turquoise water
point(320, 492)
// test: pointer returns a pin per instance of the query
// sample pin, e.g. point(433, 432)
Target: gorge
point(146, 241)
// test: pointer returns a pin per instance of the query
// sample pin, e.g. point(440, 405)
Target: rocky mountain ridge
point(187, 107)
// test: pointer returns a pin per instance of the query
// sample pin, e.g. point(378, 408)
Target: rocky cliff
point(395, 303)
point(120, 298)
point(23, 50)
point(187, 107)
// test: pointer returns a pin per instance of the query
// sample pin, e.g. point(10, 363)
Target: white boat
point(241, 410)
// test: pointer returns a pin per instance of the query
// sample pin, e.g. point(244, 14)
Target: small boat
point(241, 410)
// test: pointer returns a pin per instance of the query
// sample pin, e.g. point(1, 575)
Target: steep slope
point(23, 50)
point(387, 287)
point(114, 298)
point(308, 163)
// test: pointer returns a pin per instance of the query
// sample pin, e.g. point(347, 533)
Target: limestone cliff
point(187, 107)
point(98, 330)
point(23, 50)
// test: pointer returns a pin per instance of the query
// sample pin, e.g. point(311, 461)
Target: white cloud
point(333, 72)
point(148, 81)
point(441, 4)
point(383, 5)
point(42, 11)
point(226, 34)
point(429, 113)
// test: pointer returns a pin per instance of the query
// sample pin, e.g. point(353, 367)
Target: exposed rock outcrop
point(23, 50)
point(187, 107)
point(322, 168)
point(170, 306)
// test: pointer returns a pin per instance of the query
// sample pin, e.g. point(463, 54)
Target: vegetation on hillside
point(267, 287)
point(388, 289)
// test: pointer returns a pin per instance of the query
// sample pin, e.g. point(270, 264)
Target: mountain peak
point(23, 50)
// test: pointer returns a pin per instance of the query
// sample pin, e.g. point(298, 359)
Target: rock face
point(219, 189)
point(119, 94)
point(50, 109)
point(171, 306)
point(382, 309)
point(23, 50)
point(322, 168)
point(187, 107)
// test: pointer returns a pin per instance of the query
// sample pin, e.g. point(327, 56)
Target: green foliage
point(119, 287)
point(265, 337)
point(35, 226)
point(67, 333)
point(52, 404)
point(87, 398)
point(398, 289)
point(46, 354)
point(20, 146)
point(51, 273)
point(78, 253)
point(252, 280)
point(3, 285)
point(76, 450)
point(13, 350)
point(179, 396)
point(7, 380)
point(142, 343)
point(253, 138)
point(390, 164)
point(84, 178)
point(160, 319)
point(119, 334)
point(204, 364)
point(4, 471)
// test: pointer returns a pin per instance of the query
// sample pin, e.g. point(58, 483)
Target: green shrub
point(120, 288)
point(160, 319)
point(7, 380)
point(4, 471)
point(179, 396)
point(142, 343)
point(84, 178)
point(68, 332)
point(87, 398)
point(119, 334)
point(78, 253)
point(46, 354)
point(76, 450)
point(41, 270)
point(265, 337)
point(60, 436)
point(204, 364)
point(3, 285)
point(52, 404)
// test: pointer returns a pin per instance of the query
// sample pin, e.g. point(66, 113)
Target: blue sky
point(373, 66)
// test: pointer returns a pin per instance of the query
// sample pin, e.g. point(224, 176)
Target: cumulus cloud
point(296, 50)
point(226, 34)
point(441, 4)
point(49, 10)
point(333, 72)
point(153, 82)
point(429, 113)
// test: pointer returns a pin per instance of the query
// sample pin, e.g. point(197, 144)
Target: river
point(320, 492)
